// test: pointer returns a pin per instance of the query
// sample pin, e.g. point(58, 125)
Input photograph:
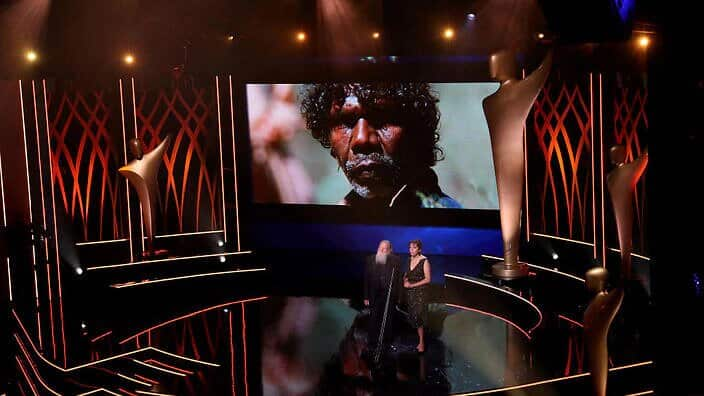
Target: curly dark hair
point(416, 242)
point(414, 108)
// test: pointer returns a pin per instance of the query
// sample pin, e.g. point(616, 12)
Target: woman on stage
point(415, 281)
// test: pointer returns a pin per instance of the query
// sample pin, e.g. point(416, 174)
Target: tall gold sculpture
point(621, 182)
point(506, 111)
point(597, 320)
point(142, 174)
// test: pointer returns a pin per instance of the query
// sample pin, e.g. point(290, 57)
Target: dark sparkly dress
point(417, 296)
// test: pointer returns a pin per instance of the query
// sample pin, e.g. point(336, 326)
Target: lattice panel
point(85, 161)
point(560, 178)
point(190, 183)
point(630, 124)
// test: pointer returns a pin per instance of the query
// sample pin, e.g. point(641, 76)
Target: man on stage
point(382, 286)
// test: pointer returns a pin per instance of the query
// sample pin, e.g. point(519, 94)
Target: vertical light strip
point(222, 169)
point(39, 159)
point(46, 240)
point(56, 239)
point(234, 162)
point(244, 351)
point(525, 171)
point(136, 136)
point(232, 354)
point(36, 277)
point(601, 149)
point(4, 223)
point(29, 197)
point(591, 105)
point(127, 183)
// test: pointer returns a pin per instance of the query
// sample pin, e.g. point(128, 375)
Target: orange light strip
point(222, 169)
point(244, 351)
point(601, 157)
point(563, 239)
point(173, 355)
point(207, 274)
point(136, 135)
point(540, 314)
point(517, 327)
point(127, 184)
point(125, 391)
point(167, 259)
point(648, 392)
point(164, 365)
point(151, 381)
point(4, 223)
point(31, 365)
point(158, 368)
point(101, 336)
point(136, 381)
point(574, 322)
point(187, 233)
point(528, 385)
point(41, 186)
point(26, 377)
point(234, 162)
point(154, 393)
point(190, 315)
point(591, 122)
point(101, 242)
point(29, 196)
point(232, 355)
point(632, 254)
point(56, 232)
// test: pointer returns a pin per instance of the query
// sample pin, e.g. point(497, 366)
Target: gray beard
point(381, 258)
point(365, 191)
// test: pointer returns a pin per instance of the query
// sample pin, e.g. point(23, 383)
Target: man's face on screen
point(366, 143)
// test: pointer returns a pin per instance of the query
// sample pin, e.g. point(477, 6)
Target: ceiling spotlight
point(31, 56)
point(471, 16)
point(555, 256)
point(83, 325)
point(79, 271)
point(231, 37)
point(128, 59)
point(448, 33)
point(643, 41)
point(222, 259)
point(301, 37)
point(376, 35)
point(221, 243)
point(226, 310)
point(541, 36)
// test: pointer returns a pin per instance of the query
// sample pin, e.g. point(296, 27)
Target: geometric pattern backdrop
point(189, 176)
point(559, 146)
point(85, 156)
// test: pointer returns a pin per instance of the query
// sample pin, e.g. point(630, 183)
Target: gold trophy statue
point(142, 174)
point(621, 182)
point(597, 320)
point(506, 111)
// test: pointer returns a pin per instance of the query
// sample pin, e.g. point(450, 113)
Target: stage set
point(219, 209)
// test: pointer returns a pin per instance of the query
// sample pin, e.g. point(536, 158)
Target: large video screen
point(378, 144)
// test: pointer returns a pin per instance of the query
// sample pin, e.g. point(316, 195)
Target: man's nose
point(364, 138)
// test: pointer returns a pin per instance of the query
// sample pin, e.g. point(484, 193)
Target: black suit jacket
point(375, 286)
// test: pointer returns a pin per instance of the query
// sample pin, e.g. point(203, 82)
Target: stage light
point(555, 256)
point(79, 271)
point(541, 36)
point(83, 325)
point(226, 310)
point(643, 41)
point(376, 35)
point(301, 37)
point(448, 33)
point(31, 56)
point(471, 16)
point(222, 259)
point(128, 59)
point(221, 243)
point(231, 37)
